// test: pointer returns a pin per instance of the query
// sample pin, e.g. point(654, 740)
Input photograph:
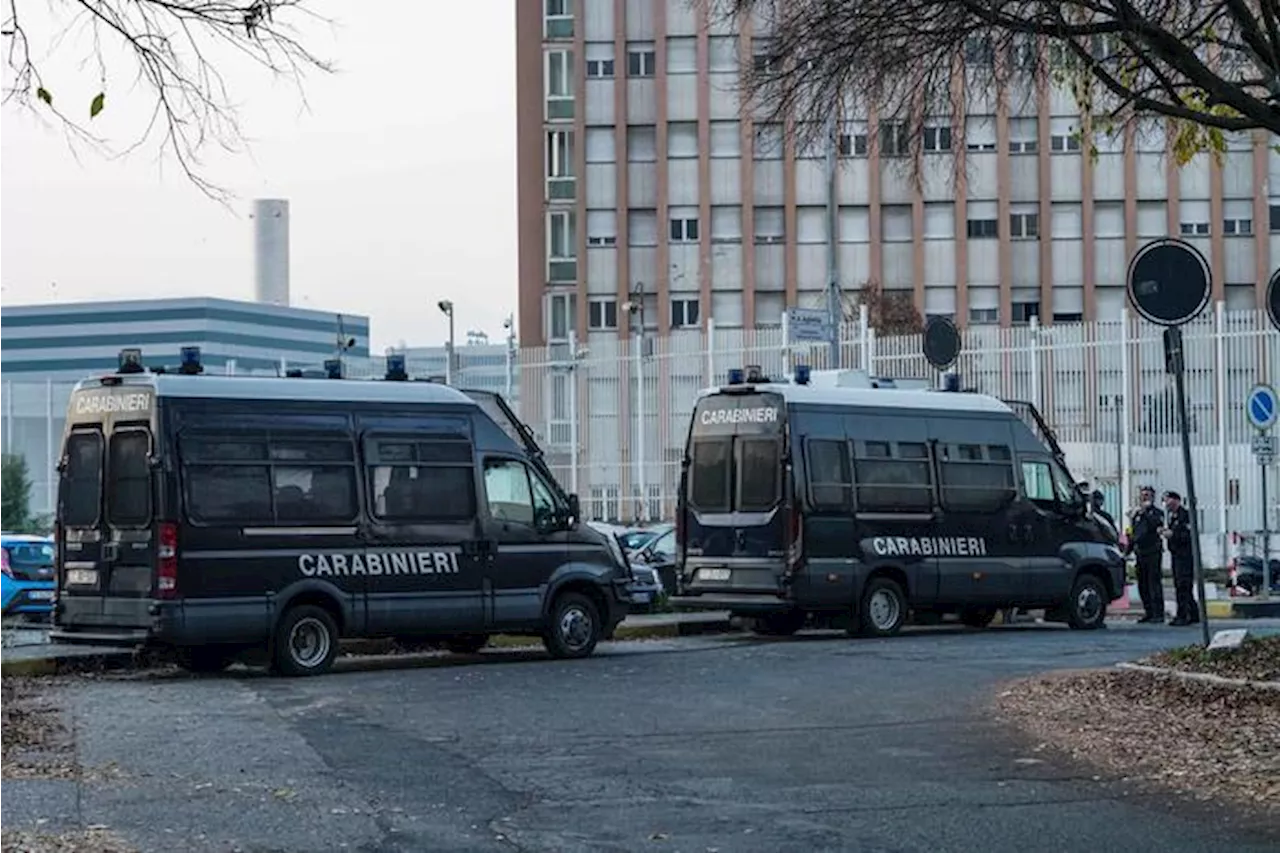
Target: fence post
point(864, 339)
point(711, 351)
point(1035, 364)
point(1126, 385)
point(1220, 379)
point(573, 410)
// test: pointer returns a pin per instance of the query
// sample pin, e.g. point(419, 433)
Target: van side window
point(288, 481)
point(830, 480)
point(416, 480)
point(893, 476)
point(1037, 483)
point(976, 478)
point(506, 487)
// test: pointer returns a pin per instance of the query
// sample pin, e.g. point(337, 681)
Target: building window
point(894, 141)
point(1024, 311)
point(562, 316)
point(684, 230)
point(559, 84)
point(1026, 146)
point(1061, 143)
point(978, 50)
point(1239, 227)
point(562, 242)
point(1024, 225)
point(557, 19)
point(560, 164)
point(1194, 229)
point(602, 241)
point(601, 68)
point(763, 59)
point(980, 229)
point(641, 62)
point(853, 145)
point(768, 141)
point(937, 139)
point(1274, 216)
point(684, 312)
point(602, 314)
point(984, 316)
point(1068, 317)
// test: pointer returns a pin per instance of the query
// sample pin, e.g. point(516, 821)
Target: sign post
point(1262, 407)
point(1169, 285)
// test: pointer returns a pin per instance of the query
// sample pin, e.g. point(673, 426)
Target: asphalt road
point(702, 744)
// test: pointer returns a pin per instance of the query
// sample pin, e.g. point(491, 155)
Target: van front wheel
point(1087, 609)
point(575, 627)
point(883, 609)
point(306, 641)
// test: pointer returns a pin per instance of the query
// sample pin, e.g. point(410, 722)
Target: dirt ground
point(1257, 659)
point(1216, 744)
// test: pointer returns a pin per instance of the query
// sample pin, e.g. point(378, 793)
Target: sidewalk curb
point(1200, 677)
point(68, 664)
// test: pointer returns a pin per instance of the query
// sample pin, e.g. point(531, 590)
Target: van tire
point(1087, 607)
point(314, 630)
point(883, 609)
point(977, 617)
point(574, 627)
point(466, 644)
point(204, 659)
point(778, 624)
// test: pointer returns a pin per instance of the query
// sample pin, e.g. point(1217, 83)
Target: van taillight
point(167, 561)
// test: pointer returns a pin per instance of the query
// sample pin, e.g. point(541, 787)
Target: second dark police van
point(214, 516)
point(861, 505)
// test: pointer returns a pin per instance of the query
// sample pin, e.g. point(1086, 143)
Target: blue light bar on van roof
point(396, 371)
point(131, 361)
point(802, 374)
point(191, 361)
point(737, 376)
point(333, 368)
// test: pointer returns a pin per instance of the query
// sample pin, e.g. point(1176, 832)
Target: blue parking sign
point(1261, 407)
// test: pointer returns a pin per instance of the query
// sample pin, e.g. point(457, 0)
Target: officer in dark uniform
point(1099, 502)
point(1147, 543)
point(1177, 534)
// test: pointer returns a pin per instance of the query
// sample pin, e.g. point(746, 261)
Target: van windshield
point(80, 488)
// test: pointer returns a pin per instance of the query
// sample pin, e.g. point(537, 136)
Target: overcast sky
point(400, 177)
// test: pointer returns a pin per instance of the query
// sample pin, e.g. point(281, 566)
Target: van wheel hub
point(309, 642)
point(1088, 603)
point(575, 627)
point(883, 608)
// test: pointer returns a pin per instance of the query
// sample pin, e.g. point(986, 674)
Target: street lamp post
point(510, 325)
point(635, 307)
point(446, 308)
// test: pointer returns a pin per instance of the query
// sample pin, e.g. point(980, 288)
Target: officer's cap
point(1174, 495)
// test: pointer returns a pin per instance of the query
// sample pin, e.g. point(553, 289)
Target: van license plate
point(40, 595)
point(82, 577)
point(714, 574)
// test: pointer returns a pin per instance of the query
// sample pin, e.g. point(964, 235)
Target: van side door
point(981, 561)
point(423, 550)
point(521, 518)
point(1045, 525)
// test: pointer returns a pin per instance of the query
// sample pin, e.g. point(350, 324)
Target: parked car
point(646, 588)
point(1249, 575)
point(659, 554)
point(26, 575)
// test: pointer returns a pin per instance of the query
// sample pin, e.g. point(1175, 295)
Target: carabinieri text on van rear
point(392, 563)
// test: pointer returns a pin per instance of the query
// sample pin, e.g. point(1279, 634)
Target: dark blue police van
point(862, 504)
point(216, 516)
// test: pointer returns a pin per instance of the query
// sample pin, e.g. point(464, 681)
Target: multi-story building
point(641, 181)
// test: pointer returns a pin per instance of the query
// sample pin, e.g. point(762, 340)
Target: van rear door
point(736, 523)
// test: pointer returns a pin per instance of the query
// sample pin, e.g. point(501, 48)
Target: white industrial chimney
point(271, 250)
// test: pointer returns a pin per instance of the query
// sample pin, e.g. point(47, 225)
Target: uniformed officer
point(1100, 511)
point(1177, 534)
point(1147, 543)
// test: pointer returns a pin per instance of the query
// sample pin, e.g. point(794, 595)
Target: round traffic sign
point(1261, 407)
point(1273, 299)
point(1169, 282)
point(941, 342)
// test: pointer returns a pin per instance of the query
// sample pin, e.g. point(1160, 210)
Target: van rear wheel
point(883, 608)
point(778, 624)
point(306, 641)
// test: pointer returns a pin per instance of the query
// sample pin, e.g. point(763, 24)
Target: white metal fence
point(614, 424)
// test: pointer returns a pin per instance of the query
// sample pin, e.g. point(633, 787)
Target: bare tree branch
point(1213, 66)
point(172, 45)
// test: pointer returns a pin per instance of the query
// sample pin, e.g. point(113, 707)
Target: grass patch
point(1257, 659)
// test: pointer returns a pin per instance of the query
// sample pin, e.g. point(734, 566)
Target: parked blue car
point(26, 575)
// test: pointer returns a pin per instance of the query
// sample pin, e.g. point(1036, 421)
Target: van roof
point(276, 388)
point(880, 398)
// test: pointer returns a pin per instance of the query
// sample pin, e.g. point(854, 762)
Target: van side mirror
point(575, 509)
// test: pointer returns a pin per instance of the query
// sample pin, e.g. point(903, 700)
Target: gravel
point(1257, 659)
point(1214, 743)
point(36, 743)
point(92, 840)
